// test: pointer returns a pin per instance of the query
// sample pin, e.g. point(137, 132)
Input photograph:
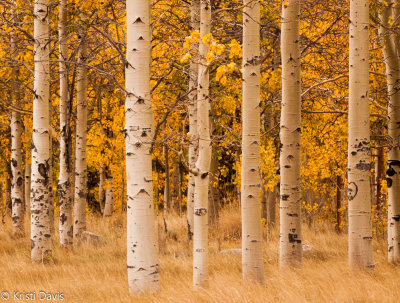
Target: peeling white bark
point(200, 237)
point(252, 256)
point(81, 140)
point(359, 148)
point(193, 144)
point(142, 261)
point(40, 203)
point(64, 189)
point(290, 197)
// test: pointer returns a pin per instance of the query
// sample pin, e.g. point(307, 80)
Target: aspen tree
point(252, 257)
point(200, 237)
point(64, 182)
point(142, 261)
point(17, 178)
point(359, 146)
point(193, 144)
point(81, 134)
point(109, 199)
point(290, 197)
point(27, 189)
point(392, 60)
point(40, 203)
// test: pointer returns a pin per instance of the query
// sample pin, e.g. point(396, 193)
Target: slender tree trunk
point(175, 185)
point(51, 195)
point(109, 205)
point(81, 134)
point(271, 207)
point(339, 186)
point(213, 194)
point(252, 256)
point(102, 193)
point(40, 203)
point(7, 188)
point(167, 197)
point(200, 237)
point(379, 174)
point(122, 190)
point(359, 148)
point(391, 54)
point(17, 180)
point(139, 130)
point(64, 189)
point(27, 190)
point(290, 197)
point(193, 144)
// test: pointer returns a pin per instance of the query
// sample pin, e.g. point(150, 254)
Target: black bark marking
point(285, 197)
point(32, 244)
point(200, 212)
point(389, 182)
point(19, 181)
point(293, 238)
point(363, 166)
point(352, 191)
point(14, 162)
point(292, 215)
point(390, 172)
point(204, 175)
point(396, 218)
point(44, 172)
point(63, 218)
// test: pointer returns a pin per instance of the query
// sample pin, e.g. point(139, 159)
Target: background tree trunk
point(102, 193)
point(40, 178)
point(64, 182)
point(359, 148)
point(142, 261)
point(109, 205)
point(290, 197)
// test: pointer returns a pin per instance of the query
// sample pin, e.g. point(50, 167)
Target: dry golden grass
point(98, 274)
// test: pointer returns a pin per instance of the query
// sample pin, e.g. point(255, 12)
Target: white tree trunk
point(40, 203)
point(80, 148)
point(200, 237)
point(391, 56)
point(142, 261)
point(193, 144)
point(17, 178)
point(359, 148)
point(109, 203)
point(64, 181)
point(290, 197)
point(27, 189)
point(252, 256)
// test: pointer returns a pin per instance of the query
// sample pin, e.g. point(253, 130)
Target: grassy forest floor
point(98, 274)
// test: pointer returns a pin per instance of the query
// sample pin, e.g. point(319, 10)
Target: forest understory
point(97, 273)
